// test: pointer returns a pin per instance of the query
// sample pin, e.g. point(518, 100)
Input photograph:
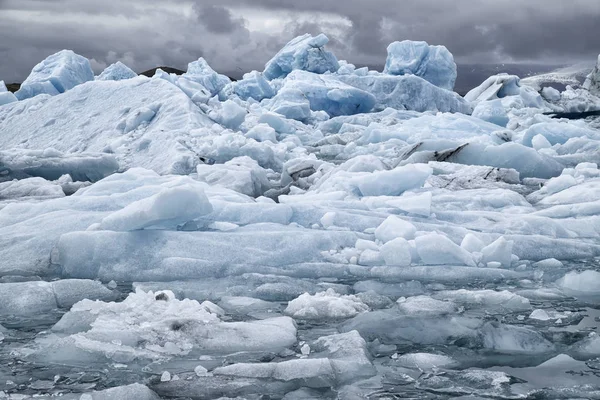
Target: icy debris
point(116, 72)
point(168, 208)
point(156, 326)
point(435, 64)
point(394, 227)
point(33, 298)
point(495, 87)
point(305, 53)
point(325, 306)
point(56, 74)
point(199, 71)
point(437, 249)
point(6, 97)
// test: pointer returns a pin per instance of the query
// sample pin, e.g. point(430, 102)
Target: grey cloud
point(175, 32)
point(217, 19)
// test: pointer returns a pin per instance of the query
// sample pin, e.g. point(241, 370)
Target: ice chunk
point(292, 103)
point(393, 327)
point(168, 208)
point(325, 305)
point(241, 174)
point(480, 383)
point(407, 93)
point(394, 227)
point(199, 71)
point(304, 53)
point(490, 300)
point(499, 251)
point(135, 391)
point(586, 282)
point(315, 373)
point(156, 326)
point(426, 361)
point(252, 85)
point(6, 97)
point(324, 93)
point(558, 133)
point(592, 82)
point(588, 347)
point(425, 305)
point(230, 115)
point(528, 162)
point(495, 87)
point(540, 315)
point(551, 94)
point(56, 74)
point(436, 249)
point(175, 255)
point(31, 298)
point(548, 263)
point(116, 72)
point(435, 64)
point(397, 252)
point(514, 339)
point(394, 182)
point(491, 111)
point(51, 164)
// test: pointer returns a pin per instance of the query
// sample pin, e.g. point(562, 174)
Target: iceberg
point(200, 72)
point(304, 53)
point(592, 82)
point(495, 87)
point(56, 74)
point(435, 64)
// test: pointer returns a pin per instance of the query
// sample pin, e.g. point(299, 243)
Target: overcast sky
point(241, 35)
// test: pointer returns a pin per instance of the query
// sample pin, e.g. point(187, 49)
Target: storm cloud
point(240, 35)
